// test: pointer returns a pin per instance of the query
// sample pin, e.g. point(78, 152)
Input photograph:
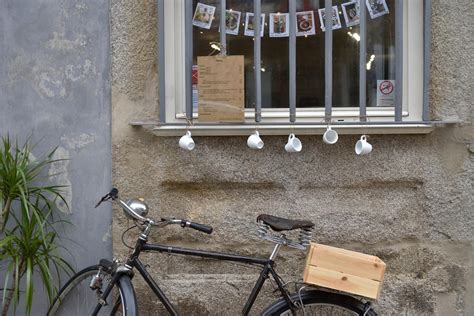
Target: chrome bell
point(138, 206)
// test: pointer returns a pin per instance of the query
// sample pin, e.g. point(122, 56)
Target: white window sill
point(300, 129)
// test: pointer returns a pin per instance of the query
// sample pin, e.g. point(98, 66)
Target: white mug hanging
point(363, 147)
point(330, 136)
point(186, 142)
point(294, 144)
point(254, 141)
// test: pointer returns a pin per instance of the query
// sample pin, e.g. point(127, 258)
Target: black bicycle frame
point(267, 269)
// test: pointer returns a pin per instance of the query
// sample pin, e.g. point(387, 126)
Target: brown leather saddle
point(279, 223)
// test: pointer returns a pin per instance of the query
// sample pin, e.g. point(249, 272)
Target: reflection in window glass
point(310, 49)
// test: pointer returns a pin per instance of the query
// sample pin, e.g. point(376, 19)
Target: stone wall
point(410, 202)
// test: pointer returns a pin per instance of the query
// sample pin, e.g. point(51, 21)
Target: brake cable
point(123, 236)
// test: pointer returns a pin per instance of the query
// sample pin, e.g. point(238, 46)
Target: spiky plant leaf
point(29, 240)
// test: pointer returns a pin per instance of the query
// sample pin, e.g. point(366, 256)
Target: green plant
point(28, 221)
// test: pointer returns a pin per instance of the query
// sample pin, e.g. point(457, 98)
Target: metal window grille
point(399, 18)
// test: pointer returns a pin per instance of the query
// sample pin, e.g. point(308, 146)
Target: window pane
point(310, 57)
point(310, 80)
point(380, 48)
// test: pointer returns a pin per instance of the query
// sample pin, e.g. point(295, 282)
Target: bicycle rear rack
point(266, 233)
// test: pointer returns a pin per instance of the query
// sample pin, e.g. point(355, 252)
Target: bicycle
point(94, 295)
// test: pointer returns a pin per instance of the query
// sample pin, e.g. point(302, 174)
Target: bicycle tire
point(77, 298)
point(320, 303)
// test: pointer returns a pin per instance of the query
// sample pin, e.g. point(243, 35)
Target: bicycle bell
point(139, 206)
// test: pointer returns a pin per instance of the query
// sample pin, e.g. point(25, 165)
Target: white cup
point(363, 147)
point(330, 136)
point(294, 144)
point(254, 141)
point(186, 142)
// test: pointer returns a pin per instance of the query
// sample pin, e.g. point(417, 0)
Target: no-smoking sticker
point(386, 87)
point(385, 92)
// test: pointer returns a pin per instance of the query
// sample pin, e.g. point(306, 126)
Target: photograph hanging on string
point(204, 15)
point(305, 23)
point(377, 8)
point(351, 12)
point(249, 26)
point(232, 22)
point(279, 24)
point(336, 21)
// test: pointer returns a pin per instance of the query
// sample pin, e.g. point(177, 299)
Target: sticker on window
point(385, 92)
point(195, 88)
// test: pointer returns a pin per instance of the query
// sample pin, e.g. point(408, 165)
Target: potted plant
point(28, 221)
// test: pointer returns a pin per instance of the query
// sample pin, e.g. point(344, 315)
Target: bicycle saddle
point(279, 223)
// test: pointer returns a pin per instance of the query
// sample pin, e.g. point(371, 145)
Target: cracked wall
point(410, 202)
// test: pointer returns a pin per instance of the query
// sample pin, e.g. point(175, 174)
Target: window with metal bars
point(312, 76)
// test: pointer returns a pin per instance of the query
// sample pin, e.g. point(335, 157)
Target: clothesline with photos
point(278, 27)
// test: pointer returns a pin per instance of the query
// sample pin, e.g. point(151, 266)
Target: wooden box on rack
point(344, 270)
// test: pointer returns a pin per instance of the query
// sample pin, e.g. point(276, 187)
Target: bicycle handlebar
point(113, 194)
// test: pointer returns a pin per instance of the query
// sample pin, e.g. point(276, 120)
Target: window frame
point(412, 100)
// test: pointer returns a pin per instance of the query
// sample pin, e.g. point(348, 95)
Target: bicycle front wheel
point(320, 303)
point(77, 298)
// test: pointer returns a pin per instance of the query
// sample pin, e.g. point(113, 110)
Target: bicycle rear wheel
point(77, 298)
point(320, 303)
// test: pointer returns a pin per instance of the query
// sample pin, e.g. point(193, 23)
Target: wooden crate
point(344, 270)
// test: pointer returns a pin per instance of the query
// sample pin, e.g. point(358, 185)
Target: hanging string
point(365, 124)
point(189, 123)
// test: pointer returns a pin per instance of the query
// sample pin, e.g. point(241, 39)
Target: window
point(311, 62)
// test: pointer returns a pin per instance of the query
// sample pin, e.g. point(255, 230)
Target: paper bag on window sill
point(221, 89)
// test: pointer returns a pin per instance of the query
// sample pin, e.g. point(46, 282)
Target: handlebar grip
point(203, 228)
point(113, 193)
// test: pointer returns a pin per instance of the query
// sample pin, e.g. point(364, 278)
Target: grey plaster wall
point(410, 202)
point(55, 87)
